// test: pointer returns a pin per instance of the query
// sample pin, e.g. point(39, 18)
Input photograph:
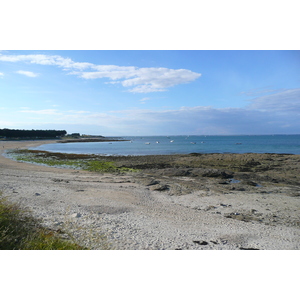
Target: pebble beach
point(160, 207)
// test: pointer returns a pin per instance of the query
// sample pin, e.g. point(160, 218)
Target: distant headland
point(60, 135)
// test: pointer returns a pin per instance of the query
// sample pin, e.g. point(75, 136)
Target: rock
point(210, 207)
point(212, 173)
point(176, 172)
point(214, 242)
point(76, 215)
point(203, 243)
point(58, 223)
point(152, 182)
point(239, 189)
point(223, 182)
point(159, 187)
point(57, 180)
point(243, 248)
point(249, 182)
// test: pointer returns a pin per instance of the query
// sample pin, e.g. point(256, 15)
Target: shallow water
point(155, 145)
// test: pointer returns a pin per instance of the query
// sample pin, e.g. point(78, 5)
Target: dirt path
point(131, 215)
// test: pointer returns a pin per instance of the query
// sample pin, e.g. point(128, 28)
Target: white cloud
point(158, 79)
point(143, 101)
point(1, 74)
point(142, 80)
point(79, 112)
point(208, 120)
point(41, 59)
point(42, 111)
point(286, 101)
point(27, 73)
point(259, 92)
point(185, 120)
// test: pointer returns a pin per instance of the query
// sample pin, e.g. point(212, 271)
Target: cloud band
point(138, 80)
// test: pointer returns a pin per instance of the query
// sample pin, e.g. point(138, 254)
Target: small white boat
point(157, 142)
point(171, 141)
point(193, 143)
point(147, 143)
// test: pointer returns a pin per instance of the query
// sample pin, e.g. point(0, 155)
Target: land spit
point(195, 201)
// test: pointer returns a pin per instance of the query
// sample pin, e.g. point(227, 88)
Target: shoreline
point(168, 204)
point(90, 140)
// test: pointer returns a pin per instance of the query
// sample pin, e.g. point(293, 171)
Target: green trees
point(31, 134)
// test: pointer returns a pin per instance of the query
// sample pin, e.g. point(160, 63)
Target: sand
point(125, 211)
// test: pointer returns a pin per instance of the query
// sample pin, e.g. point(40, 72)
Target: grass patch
point(64, 160)
point(105, 166)
point(20, 231)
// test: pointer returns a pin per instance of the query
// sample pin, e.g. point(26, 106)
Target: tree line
point(31, 134)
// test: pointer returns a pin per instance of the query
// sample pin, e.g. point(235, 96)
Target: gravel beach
point(163, 207)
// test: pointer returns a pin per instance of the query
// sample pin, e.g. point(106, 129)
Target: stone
point(76, 215)
point(152, 182)
point(203, 243)
point(159, 187)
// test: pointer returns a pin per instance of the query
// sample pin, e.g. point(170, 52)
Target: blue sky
point(162, 92)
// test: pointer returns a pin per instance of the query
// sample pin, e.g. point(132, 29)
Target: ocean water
point(154, 145)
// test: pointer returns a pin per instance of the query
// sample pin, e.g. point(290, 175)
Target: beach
point(184, 202)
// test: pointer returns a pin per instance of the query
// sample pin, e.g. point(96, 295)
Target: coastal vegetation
point(183, 174)
point(31, 134)
point(271, 168)
point(91, 163)
point(20, 231)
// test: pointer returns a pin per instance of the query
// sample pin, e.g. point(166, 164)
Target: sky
point(151, 92)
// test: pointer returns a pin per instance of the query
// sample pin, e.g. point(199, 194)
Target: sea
point(183, 144)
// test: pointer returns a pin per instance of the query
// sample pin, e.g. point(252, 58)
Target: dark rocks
point(225, 205)
point(176, 172)
point(210, 207)
point(215, 173)
point(60, 180)
point(195, 172)
point(152, 182)
point(251, 183)
point(223, 182)
point(160, 187)
point(203, 243)
point(239, 189)
point(195, 154)
point(214, 242)
point(223, 173)
point(243, 248)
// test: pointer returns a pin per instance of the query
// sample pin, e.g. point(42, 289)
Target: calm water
point(184, 145)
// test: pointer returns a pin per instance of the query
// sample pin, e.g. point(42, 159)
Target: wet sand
point(212, 201)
